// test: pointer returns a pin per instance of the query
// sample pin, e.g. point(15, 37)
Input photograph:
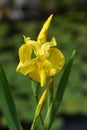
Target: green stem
point(35, 88)
point(51, 89)
point(50, 104)
point(33, 125)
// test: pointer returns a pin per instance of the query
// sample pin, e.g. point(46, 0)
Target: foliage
point(70, 31)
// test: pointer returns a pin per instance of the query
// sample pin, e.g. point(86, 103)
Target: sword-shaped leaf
point(53, 108)
point(7, 103)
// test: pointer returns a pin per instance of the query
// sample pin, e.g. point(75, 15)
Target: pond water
point(75, 122)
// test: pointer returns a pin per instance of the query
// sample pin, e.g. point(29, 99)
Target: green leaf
point(7, 103)
point(63, 81)
point(53, 108)
point(35, 87)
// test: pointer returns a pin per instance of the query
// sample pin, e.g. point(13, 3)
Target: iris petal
point(42, 77)
point(25, 53)
point(25, 68)
point(57, 59)
point(35, 75)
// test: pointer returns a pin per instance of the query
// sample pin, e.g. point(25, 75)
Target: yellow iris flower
point(40, 59)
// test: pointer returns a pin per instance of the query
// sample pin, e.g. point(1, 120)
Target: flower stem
point(51, 89)
point(35, 88)
point(36, 98)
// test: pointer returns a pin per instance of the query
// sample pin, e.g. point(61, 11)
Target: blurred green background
point(69, 27)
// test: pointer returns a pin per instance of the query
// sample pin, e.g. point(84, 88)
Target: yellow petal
point(25, 53)
point(26, 39)
point(53, 42)
point(43, 51)
point(25, 65)
point(35, 74)
point(25, 68)
point(42, 77)
point(31, 43)
point(38, 76)
point(47, 45)
point(43, 33)
point(47, 65)
point(57, 61)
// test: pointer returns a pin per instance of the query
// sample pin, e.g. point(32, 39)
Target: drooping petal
point(26, 67)
point(43, 33)
point(42, 77)
point(47, 65)
point(35, 75)
point(38, 74)
point(56, 59)
point(25, 53)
